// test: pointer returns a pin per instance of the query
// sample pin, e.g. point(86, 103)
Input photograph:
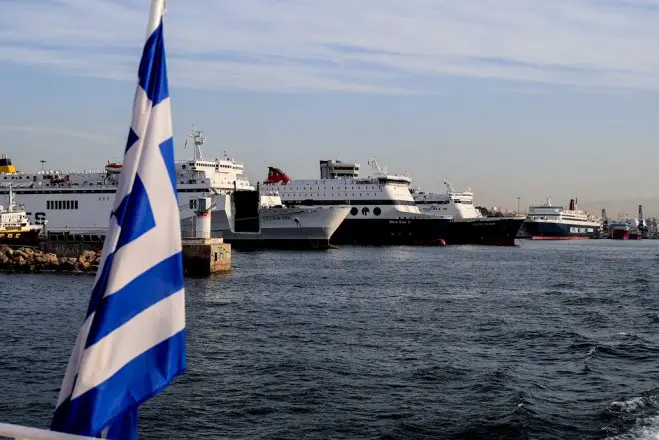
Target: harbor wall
point(69, 249)
point(203, 257)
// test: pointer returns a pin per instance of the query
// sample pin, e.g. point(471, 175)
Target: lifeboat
point(113, 167)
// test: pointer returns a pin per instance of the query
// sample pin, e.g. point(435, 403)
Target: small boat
point(113, 167)
point(15, 228)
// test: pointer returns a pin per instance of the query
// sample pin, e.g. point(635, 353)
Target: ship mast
point(376, 167)
point(449, 188)
point(12, 202)
point(198, 139)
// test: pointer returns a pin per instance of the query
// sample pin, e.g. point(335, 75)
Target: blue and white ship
point(550, 222)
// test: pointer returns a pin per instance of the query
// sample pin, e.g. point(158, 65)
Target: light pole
point(518, 204)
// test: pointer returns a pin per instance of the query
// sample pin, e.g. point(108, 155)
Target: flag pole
point(157, 10)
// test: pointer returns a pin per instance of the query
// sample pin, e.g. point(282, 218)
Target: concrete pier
point(205, 256)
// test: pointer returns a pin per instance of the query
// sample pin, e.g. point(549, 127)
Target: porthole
point(377, 211)
point(354, 211)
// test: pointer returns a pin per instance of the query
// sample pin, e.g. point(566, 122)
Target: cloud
point(374, 46)
point(92, 137)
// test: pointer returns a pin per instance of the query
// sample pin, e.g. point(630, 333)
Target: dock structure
point(203, 257)
point(202, 254)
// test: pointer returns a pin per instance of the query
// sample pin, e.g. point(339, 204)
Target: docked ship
point(281, 227)
point(76, 203)
point(469, 226)
point(619, 230)
point(382, 210)
point(629, 229)
point(551, 222)
point(15, 227)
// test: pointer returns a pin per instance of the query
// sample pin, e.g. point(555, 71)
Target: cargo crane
point(642, 225)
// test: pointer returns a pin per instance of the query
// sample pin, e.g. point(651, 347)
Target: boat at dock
point(619, 230)
point(552, 222)
point(468, 225)
point(76, 203)
point(382, 210)
point(279, 226)
point(15, 226)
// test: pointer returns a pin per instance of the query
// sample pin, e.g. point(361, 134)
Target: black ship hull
point(538, 230)
point(20, 238)
point(250, 244)
point(419, 231)
point(496, 231)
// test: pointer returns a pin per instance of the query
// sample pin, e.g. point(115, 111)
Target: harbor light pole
point(518, 204)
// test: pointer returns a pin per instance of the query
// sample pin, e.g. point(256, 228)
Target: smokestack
point(640, 214)
point(604, 214)
point(571, 207)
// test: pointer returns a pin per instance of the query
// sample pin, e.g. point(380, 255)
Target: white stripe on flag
point(146, 330)
point(74, 361)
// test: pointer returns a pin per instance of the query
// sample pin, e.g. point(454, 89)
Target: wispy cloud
point(92, 137)
point(383, 46)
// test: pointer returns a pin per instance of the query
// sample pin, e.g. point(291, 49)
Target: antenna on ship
point(199, 139)
point(12, 202)
point(376, 167)
point(449, 188)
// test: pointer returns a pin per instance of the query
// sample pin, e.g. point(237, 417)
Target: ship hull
point(425, 231)
point(497, 231)
point(281, 228)
point(538, 230)
point(20, 238)
point(619, 234)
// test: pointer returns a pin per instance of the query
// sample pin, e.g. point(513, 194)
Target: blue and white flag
point(132, 342)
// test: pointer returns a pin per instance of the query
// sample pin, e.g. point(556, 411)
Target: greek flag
point(132, 342)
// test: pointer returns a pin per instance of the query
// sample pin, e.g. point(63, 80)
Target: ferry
point(551, 222)
point(15, 227)
point(76, 203)
point(282, 227)
point(382, 209)
point(469, 225)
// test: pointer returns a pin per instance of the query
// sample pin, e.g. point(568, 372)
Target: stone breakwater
point(34, 260)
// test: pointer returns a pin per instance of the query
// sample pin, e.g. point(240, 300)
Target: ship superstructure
point(382, 210)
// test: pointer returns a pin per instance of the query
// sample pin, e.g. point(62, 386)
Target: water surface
point(541, 341)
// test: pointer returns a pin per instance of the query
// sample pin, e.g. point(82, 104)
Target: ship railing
point(19, 432)
point(77, 230)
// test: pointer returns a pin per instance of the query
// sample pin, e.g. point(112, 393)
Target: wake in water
point(635, 419)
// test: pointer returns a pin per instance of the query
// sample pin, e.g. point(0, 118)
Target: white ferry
point(382, 210)
point(469, 226)
point(283, 227)
point(551, 222)
point(77, 203)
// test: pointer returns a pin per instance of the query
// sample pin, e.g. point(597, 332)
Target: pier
point(205, 256)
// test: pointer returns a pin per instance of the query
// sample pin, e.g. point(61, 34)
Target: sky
point(514, 98)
